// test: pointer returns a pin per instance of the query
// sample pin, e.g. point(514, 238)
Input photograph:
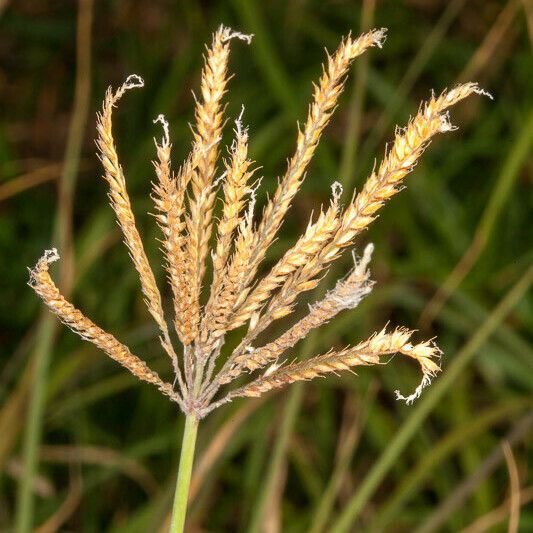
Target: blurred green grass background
point(453, 258)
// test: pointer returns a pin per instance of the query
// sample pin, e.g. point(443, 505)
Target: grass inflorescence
point(236, 245)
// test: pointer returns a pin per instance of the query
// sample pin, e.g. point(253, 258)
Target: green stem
point(181, 496)
point(32, 440)
point(62, 237)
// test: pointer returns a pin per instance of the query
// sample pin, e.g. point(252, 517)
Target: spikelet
point(43, 285)
point(207, 133)
point(121, 205)
point(169, 199)
point(235, 186)
point(369, 352)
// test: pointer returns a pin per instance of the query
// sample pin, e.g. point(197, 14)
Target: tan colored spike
point(169, 198)
point(43, 285)
point(235, 186)
point(207, 133)
point(120, 202)
point(366, 353)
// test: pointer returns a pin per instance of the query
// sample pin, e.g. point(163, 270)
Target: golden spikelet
point(365, 353)
point(207, 134)
point(236, 187)
point(169, 198)
point(184, 204)
point(43, 285)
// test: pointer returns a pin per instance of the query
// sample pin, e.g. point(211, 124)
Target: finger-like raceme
point(207, 134)
point(120, 202)
point(43, 285)
point(236, 186)
point(366, 353)
point(169, 199)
